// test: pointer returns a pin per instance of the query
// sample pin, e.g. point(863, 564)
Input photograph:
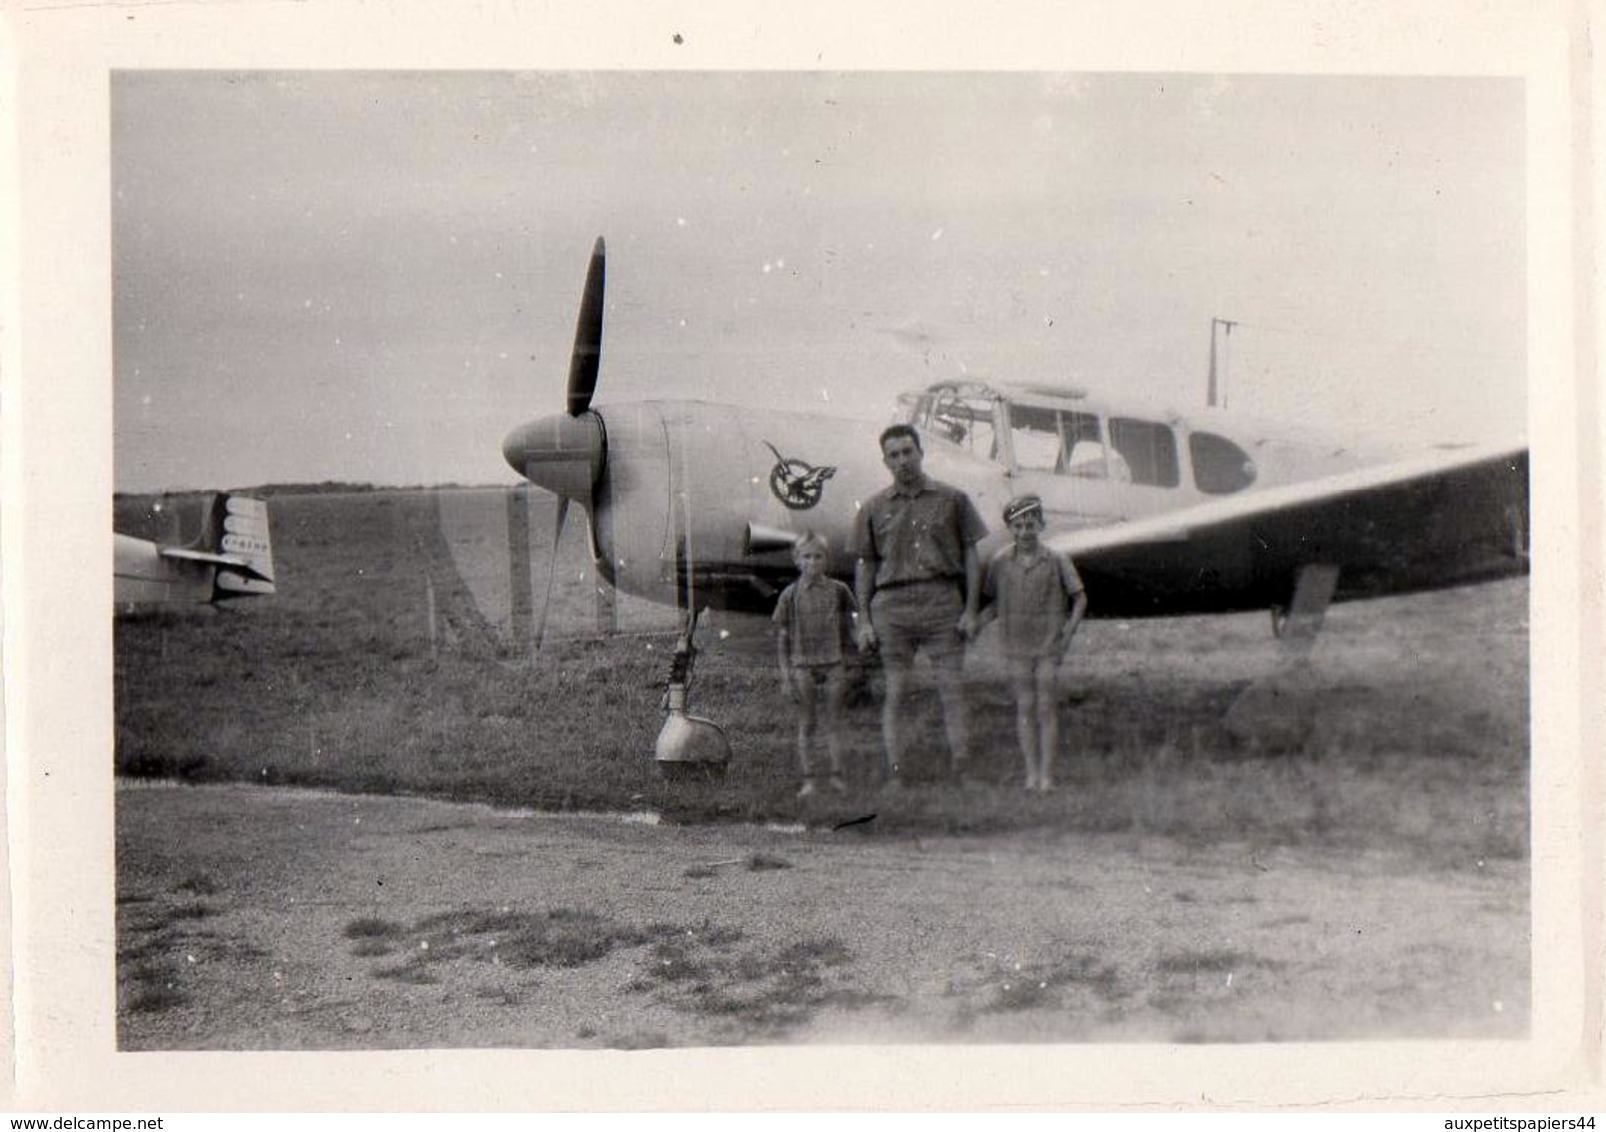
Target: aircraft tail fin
point(237, 540)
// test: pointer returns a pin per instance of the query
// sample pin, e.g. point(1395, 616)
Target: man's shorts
point(919, 617)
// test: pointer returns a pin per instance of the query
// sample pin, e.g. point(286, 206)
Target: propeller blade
point(587, 355)
point(552, 570)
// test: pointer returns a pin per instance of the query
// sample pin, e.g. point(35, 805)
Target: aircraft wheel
point(691, 772)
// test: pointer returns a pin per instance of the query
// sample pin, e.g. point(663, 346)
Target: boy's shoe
point(892, 784)
point(838, 784)
point(806, 790)
point(1045, 785)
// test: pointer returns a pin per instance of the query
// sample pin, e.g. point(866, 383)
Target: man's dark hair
point(891, 432)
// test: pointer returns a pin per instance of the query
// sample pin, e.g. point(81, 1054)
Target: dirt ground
point(261, 918)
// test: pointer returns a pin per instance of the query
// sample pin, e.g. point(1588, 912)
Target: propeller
point(567, 453)
point(586, 357)
point(551, 571)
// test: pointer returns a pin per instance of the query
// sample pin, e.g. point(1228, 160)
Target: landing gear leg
point(1277, 712)
point(1297, 624)
point(688, 747)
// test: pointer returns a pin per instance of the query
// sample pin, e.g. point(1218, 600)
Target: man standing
point(919, 584)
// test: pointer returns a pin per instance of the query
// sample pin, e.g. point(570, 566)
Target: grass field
point(385, 664)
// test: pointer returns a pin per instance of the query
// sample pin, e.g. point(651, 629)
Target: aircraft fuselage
point(141, 577)
point(697, 502)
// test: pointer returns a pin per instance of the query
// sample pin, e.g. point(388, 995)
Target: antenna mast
point(1210, 392)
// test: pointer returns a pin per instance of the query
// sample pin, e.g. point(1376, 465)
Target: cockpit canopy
point(1060, 430)
point(964, 414)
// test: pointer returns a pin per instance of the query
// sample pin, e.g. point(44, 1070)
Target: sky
point(372, 277)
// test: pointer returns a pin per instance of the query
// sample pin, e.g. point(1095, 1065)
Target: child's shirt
point(1033, 598)
point(816, 615)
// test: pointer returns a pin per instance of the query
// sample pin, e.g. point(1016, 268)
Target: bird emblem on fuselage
point(797, 484)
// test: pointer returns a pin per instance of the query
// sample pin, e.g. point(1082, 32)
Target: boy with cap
point(1036, 594)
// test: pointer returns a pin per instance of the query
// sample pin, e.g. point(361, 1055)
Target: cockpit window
point(1085, 453)
point(1149, 450)
point(1053, 440)
point(1220, 467)
point(1035, 435)
point(967, 422)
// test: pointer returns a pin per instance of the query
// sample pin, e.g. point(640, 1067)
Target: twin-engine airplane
point(696, 504)
point(232, 558)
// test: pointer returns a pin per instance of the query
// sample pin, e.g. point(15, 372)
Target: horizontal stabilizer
point(232, 561)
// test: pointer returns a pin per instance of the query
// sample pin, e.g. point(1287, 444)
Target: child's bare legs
point(831, 722)
point(1045, 681)
point(808, 712)
point(1023, 678)
point(820, 693)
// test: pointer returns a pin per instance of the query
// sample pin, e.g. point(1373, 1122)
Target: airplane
point(232, 558)
point(1165, 512)
point(696, 505)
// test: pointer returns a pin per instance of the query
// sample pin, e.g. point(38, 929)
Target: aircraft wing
point(1444, 519)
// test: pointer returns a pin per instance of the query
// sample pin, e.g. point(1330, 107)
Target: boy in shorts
point(813, 616)
point(1037, 597)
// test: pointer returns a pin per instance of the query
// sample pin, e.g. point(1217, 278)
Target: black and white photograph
point(649, 560)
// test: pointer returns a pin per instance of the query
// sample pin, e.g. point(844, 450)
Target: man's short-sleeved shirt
point(918, 534)
point(816, 616)
point(1033, 598)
